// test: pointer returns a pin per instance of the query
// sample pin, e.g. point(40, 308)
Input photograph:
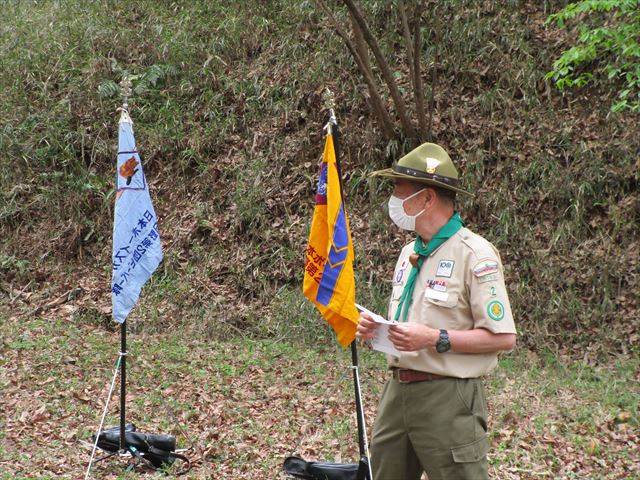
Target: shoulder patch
point(495, 309)
point(486, 267)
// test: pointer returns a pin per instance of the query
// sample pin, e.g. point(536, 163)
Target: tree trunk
point(363, 65)
point(414, 44)
point(401, 109)
point(417, 77)
point(376, 100)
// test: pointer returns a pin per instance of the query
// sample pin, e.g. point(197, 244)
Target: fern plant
point(608, 47)
point(152, 77)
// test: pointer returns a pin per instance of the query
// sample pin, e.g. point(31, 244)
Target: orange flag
point(328, 278)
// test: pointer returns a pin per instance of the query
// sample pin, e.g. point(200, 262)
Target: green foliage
point(9, 262)
point(249, 195)
point(152, 77)
point(608, 47)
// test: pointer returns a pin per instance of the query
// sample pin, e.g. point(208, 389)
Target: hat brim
point(390, 173)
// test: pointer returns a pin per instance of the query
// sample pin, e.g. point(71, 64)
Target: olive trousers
point(437, 426)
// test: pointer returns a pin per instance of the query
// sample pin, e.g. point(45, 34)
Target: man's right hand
point(366, 327)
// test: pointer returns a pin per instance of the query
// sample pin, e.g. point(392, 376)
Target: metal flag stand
point(296, 466)
point(362, 426)
point(125, 86)
point(104, 414)
point(155, 451)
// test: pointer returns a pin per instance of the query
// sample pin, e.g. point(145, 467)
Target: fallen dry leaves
point(240, 407)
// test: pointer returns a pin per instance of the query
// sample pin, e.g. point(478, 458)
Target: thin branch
point(434, 74)
point(383, 116)
point(407, 36)
point(418, 91)
point(376, 100)
point(398, 101)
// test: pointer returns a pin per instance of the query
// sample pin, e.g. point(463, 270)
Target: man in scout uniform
point(454, 316)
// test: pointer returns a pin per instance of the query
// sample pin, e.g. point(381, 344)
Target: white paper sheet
point(381, 341)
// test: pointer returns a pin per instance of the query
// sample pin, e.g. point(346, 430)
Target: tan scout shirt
point(460, 287)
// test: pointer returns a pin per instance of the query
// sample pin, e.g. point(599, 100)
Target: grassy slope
point(228, 116)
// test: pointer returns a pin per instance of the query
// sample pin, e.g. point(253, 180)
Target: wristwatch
point(443, 344)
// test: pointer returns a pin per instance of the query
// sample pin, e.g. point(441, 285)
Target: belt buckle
point(398, 375)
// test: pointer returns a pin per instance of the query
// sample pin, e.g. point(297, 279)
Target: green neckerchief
point(451, 227)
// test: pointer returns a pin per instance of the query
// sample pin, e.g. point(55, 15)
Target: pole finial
point(330, 104)
point(125, 88)
point(329, 99)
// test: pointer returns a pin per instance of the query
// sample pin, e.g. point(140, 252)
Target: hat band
point(453, 182)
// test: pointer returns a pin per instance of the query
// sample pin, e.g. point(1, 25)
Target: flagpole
point(125, 85)
point(332, 128)
point(123, 382)
point(362, 429)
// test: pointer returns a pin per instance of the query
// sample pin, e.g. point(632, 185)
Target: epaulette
point(481, 247)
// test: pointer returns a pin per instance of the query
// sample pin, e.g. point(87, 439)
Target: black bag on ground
point(109, 438)
point(158, 450)
point(299, 468)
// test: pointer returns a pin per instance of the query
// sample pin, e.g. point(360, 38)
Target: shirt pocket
point(440, 299)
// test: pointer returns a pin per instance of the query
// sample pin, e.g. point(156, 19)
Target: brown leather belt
point(405, 375)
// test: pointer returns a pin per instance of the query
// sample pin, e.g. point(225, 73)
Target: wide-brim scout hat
point(429, 164)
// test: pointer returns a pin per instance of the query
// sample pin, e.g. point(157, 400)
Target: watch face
point(443, 346)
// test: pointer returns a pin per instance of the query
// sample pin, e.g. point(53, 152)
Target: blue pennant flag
point(136, 241)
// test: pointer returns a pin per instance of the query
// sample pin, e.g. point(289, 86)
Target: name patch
point(436, 295)
point(445, 268)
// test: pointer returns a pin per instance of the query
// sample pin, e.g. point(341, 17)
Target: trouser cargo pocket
point(468, 462)
point(472, 452)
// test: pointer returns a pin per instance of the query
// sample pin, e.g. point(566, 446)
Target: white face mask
point(399, 216)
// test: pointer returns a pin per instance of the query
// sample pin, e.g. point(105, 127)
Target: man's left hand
point(409, 337)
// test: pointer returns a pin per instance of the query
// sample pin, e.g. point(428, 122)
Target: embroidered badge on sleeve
point(488, 278)
point(486, 267)
point(495, 309)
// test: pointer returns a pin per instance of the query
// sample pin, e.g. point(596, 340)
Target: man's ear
point(430, 197)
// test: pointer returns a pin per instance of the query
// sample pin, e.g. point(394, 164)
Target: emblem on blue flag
point(137, 251)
